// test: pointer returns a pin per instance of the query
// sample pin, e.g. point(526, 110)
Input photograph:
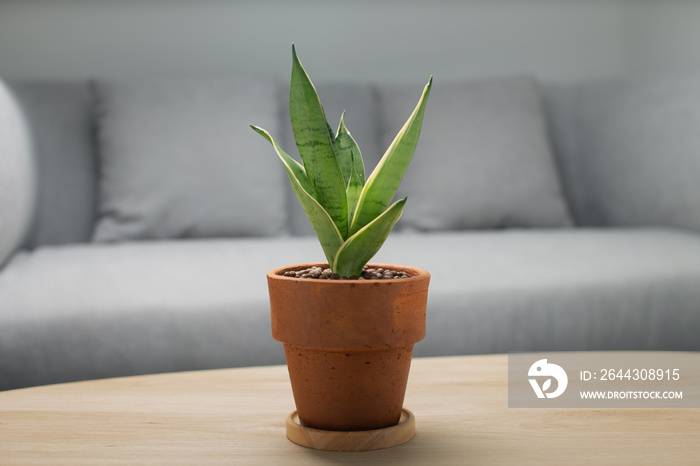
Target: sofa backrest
point(78, 126)
point(629, 149)
point(626, 151)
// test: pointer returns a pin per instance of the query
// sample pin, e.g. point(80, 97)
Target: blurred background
point(360, 40)
point(157, 162)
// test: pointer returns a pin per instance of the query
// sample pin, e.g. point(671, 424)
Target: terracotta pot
point(348, 344)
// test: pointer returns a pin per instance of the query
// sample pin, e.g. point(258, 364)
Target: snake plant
point(352, 216)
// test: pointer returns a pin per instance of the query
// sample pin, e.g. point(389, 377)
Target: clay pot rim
point(416, 273)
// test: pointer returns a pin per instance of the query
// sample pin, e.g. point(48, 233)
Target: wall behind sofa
point(358, 40)
point(560, 40)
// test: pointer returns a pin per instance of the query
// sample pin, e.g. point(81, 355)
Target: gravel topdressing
point(368, 273)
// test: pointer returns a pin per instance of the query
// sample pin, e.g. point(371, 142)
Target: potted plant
point(348, 328)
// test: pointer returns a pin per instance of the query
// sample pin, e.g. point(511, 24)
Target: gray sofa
point(138, 219)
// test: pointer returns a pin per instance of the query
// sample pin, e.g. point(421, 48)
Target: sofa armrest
point(17, 175)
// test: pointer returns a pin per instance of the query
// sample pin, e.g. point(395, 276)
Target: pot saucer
point(364, 440)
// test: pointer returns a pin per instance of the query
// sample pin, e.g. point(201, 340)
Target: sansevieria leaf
point(315, 141)
point(381, 186)
point(355, 185)
point(324, 226)
point(292, 165)
point(351, 164)
point(363, 245)
point(349, 155)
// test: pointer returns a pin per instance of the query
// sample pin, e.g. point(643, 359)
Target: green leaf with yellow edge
point(363, 245)
point(324, 226)
point(295, 167)
point(355, 185)
point(381, 186)
point(349, 155)
point(315, 141)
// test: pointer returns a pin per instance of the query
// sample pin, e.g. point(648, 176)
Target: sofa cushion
point(17, 182)
point(178, 159)
point(60, 115)
point(483, 158)
point(629, 150)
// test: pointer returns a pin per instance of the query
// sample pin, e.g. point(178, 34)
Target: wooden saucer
point(364, 440)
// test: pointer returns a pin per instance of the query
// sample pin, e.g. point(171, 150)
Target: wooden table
point(237, 416)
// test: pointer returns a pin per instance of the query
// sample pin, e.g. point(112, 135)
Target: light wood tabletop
point(237, 416)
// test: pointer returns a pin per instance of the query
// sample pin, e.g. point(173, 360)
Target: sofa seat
point(558, 290)
point(133, 308)
point(138, 308)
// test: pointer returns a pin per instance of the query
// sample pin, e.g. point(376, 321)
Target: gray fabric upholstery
point(178, 159)
point(483, 159)
point(556, 290)
point(359, 101)
point(17, 174)
point(61, 121)
point(108, 310)
point(629, 150)
point(136, 308)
